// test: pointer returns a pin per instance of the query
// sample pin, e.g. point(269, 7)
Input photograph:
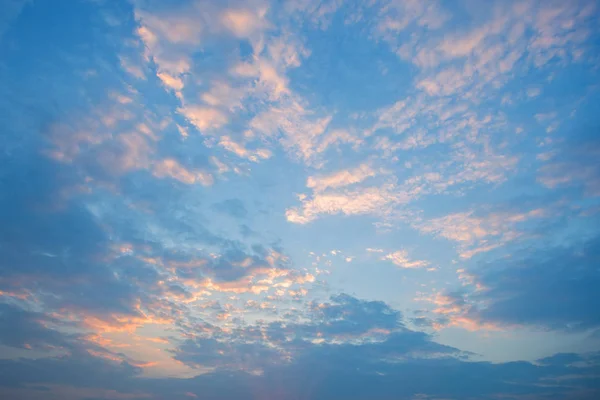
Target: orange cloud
point(157, 340)
point(123, 323)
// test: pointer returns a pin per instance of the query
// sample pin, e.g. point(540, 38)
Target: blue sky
point(299, 199)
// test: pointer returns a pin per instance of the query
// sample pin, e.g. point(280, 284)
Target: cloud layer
point(299, 200)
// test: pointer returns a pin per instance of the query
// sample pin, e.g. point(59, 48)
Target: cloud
point(126, 272)
point(79, 370)
point(372, 200)
point(469, 61)
point(291, 368)
point(241, 151)
point(469, 157)
point(132, 68)
point(223, 94)
point(318, 13)
point(204, 118)
point(173, 82)
point(466, 166)
point(397, 16)
point(574, 166)
point(455, 309)
point(244, 23)
point(342, 320)
point(27, 330)
point(301, 130)
point(347, 316)
point(62, 269)
point(171, 168)
point(401, 259)
point(549, 286)
point(180, 26)
point(340, 178)
point(476, 234)
point(284, 117)
point(337, 137)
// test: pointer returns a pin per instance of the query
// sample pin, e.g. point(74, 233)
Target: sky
point(299, 199)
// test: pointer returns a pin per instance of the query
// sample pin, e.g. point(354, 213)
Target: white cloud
point(243, 22)
point(372, 200)
point(204, 118)
point(340, 178)
point(298, 129)
point(477, 234)
point(338, 136)
point(223, 94)
point(402, 260)
point(178, 26)
point(241, 151)
point(172, 82)
point(171, 168)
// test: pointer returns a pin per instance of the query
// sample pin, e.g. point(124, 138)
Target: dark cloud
point(39, 230)
point(55, 250)
point(427, 322)
point(25, 329)
point(326, 372)
point(77, 369)
point(345, 319)
point(229, 354)
point(277, 364)
point(347, 315)
point(52, 245)
point(554, 287)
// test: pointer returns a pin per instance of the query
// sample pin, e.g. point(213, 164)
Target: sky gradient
point(299, 199)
